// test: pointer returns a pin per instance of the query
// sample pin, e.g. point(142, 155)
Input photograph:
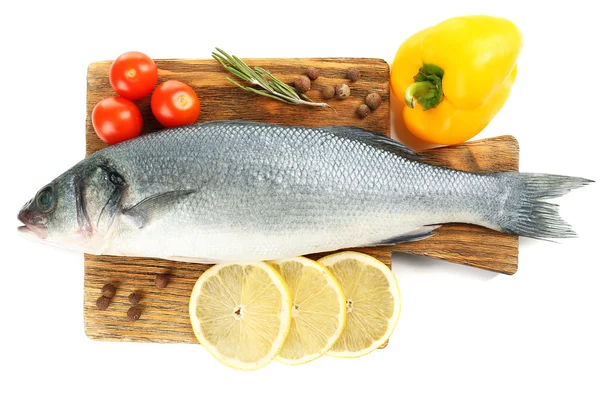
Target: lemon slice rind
point(340, 304)
point(332, 259)
point(284, 316)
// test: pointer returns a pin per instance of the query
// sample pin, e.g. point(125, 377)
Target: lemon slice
point(318, 310)
point(241, 313)
point(372, 302)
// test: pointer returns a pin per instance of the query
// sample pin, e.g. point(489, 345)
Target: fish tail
point(526, 212)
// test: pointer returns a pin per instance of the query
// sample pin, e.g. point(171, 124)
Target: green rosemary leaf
point(267, 84)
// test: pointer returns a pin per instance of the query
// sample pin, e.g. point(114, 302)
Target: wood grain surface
point(164, 316)
point(221, 100)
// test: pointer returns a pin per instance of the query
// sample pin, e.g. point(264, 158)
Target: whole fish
point(243, 191)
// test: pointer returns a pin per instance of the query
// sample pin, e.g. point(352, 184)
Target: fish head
point(77, 209)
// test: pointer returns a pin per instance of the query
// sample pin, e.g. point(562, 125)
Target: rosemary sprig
point(265, 83)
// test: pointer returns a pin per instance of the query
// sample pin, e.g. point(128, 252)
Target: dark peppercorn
point(109, 290)
point(353, 74)
point(102, 303)
point(363, 110)
point(134, 313)
point(134, 298)
point(312, 73)
point(161, 281)
point(302, 84)
point(373, 100)
point(328, 92)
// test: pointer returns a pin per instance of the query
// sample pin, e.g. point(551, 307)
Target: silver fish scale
point(284, 191)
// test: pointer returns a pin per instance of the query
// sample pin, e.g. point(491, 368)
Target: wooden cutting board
point(164, 311)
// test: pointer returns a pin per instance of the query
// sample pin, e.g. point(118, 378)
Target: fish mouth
point(29, 227)
point(39, 232)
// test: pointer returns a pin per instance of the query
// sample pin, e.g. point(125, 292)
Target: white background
point(463, 333)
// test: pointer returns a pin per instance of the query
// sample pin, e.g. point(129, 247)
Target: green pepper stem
point(427, 89)
point(418, 89)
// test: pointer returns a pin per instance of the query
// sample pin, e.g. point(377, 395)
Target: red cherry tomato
point(116, 119)
point(133, 75)
point(174, 103)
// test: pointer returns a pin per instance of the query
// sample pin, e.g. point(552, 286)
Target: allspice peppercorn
point(363, 110)
point(109, 290)
point(312, 73)
point(161, 281)
point(134, 298)
point(328, 92)
point(102, 303)
point(134, 313)
point(342, 91)
point(373, 100)
point(353, 74)
point(302, 84)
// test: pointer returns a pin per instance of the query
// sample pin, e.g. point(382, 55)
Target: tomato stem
point(183, 101)
point(131, 73)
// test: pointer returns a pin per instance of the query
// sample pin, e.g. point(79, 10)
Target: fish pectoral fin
point(414, 235)
point(142, 213)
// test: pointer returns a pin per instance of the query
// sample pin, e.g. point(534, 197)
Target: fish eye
point(45, 198)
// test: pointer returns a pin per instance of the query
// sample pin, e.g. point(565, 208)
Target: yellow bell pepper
point(460, 71)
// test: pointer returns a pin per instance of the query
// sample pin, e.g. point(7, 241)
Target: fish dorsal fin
point(375, 140)
point(142, 213)
point(349, 132)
